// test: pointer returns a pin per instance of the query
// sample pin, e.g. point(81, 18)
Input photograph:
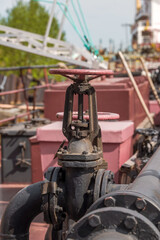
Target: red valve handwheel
point(81, 73)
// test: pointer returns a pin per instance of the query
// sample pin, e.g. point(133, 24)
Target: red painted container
point(113, 95)
point(155, 108)
point(37, 174)
point(116, 138)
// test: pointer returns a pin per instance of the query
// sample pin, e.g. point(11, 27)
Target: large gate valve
point(68, 191)
point(84, 135)
point(82, 178)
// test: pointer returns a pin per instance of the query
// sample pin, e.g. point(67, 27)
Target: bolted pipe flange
point(114, 223)
point(140, 203)
point(109, 202)
point(94, 220)
point(130, 222)
point(127, 201)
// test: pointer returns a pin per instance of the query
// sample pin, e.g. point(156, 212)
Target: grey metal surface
point(16, 152)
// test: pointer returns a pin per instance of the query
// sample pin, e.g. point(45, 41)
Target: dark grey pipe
point(112, 236)
point(148, 181)
point(77, 181)
point(21, 210)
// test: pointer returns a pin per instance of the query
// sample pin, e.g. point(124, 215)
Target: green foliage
point(33, 17)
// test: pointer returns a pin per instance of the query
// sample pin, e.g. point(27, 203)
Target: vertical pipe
point(90, 104)
point(45, 76)
point(138, 5)
point(68, 111)
point(17, 95)
point(25, 93)
point(34, 102)
point(77, 181)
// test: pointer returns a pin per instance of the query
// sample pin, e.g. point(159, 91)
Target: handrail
point(28, 113)
point(17, 116)
point(24, 89)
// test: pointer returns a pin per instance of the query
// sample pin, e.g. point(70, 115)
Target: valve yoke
point(84, 135)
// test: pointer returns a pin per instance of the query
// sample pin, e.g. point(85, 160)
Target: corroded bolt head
point(109, 202)
point(130, 222)
point(94, 220)
point(84, 152)
point(58, 209)
point(140, 203)
point(95, 150)
point(64, 151)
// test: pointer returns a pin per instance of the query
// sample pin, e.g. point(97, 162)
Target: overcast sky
point(104, 19)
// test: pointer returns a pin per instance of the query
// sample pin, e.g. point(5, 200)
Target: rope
point(84, 22)
point(76, 12)
point(86, 39)
point(88, 42)
point(70, 19)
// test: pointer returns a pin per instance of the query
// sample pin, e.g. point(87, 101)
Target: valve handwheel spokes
point(81, 73)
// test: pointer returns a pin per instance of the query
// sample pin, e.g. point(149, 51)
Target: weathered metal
point(79, 179)
point(136, 207)
point(79, 199)
point(16, 156)
point(20, 212)
point(147, 144)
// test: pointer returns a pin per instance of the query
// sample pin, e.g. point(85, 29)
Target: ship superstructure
point(146, 30)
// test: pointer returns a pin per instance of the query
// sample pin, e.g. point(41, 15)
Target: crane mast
point(138, 5)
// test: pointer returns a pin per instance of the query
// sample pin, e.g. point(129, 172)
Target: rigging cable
point(86, 38)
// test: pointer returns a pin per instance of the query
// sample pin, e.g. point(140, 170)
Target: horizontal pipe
point(125, 75)
point(22, 209)
point(24, 89)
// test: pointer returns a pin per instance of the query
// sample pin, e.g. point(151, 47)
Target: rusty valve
point(81, 190)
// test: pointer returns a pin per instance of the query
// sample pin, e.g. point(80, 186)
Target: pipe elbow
point(20, 212)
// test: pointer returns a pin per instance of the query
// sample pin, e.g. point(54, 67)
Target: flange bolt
point(130, 222)
point(140, 203)
point(84, 152)
point(64, 151)
point(109, 202)
point(94, 220)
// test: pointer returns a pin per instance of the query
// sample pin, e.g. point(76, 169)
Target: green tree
point(29, 16)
